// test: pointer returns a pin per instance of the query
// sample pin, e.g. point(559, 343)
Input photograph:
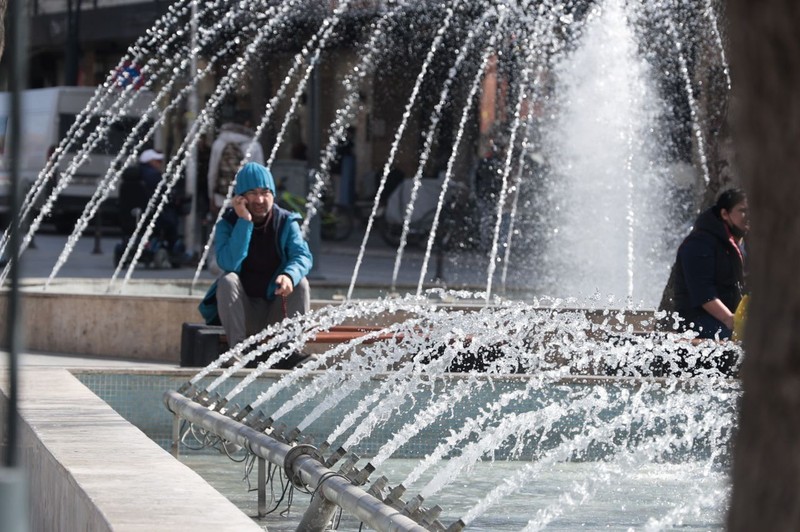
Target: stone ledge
point(89, 469)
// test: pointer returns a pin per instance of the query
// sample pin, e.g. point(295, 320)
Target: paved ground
point(335, 262)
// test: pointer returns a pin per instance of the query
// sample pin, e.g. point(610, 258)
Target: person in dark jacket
point(710, 267)
point(151, 166)
point(133, 196)
point(265, 260)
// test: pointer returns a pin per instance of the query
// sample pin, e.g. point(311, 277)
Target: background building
point(77, 42)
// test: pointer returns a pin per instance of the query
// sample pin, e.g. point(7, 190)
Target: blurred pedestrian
point(709, 271)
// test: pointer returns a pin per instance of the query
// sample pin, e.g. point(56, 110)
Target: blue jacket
point(231, 245)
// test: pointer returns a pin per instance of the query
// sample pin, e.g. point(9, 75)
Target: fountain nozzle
point(430, 515)
point(362, 476)
point(376, 490)
point(293, 435)
point(458, 526)
point(335, 456)
point(262, 424)
point(221, 404)
point(349, 464)
point(412, 506)
point(243, 413)
point(393, 498)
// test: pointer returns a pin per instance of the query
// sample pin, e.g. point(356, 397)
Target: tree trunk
point(766, 79)
point(3, 5)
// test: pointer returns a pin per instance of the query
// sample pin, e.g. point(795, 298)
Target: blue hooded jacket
point(233, 234)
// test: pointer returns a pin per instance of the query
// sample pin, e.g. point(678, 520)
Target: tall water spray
point(604, 220)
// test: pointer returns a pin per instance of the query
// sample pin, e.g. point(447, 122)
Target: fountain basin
point(81, 316)
point(83, 464)
point(137, 398)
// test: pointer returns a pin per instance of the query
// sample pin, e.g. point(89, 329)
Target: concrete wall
point(89, 469)
point(123, 326)
point(129, 326)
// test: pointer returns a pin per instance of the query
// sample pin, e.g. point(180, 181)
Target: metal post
point(13, 484)
point(318, 514)
point(438, 276)
point(314, 159)
point(72, 59)
point(175, 448)
point(190, 227)
point(13, 499)
point(262, 487)
point(98, 234)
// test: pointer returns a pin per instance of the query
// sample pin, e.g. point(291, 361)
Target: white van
point(48, 114)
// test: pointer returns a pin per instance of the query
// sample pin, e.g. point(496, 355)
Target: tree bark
point(766, 79)
point(3, 6)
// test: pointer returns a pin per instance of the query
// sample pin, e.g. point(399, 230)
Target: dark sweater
point(709, 266)
point(262, 260)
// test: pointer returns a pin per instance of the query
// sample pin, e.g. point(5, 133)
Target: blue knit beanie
point(254, 175)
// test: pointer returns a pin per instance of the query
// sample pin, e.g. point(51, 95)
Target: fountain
point(450, 392)
point(579, 210)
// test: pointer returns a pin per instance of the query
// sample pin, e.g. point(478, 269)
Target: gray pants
point(242, 316)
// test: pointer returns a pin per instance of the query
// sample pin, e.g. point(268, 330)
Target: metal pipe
point(314, 160)
point(17, 49)
point(331, 485)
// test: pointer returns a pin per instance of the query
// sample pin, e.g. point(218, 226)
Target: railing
point(306, 468)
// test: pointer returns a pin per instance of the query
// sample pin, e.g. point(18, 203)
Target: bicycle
point(337, 220)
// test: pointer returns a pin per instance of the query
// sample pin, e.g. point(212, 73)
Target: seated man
point(264, 258)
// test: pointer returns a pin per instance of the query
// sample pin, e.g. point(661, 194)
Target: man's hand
point(284, 285)
point(240, 206)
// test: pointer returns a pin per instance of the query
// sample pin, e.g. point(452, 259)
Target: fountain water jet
point(587, 391)
point(550, 37)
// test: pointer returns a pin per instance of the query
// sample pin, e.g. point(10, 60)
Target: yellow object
point(740, 318)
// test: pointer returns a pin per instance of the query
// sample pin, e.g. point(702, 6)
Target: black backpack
point(229, 163)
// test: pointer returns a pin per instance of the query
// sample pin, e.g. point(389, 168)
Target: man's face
point(737, 218)
point(259, 203)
